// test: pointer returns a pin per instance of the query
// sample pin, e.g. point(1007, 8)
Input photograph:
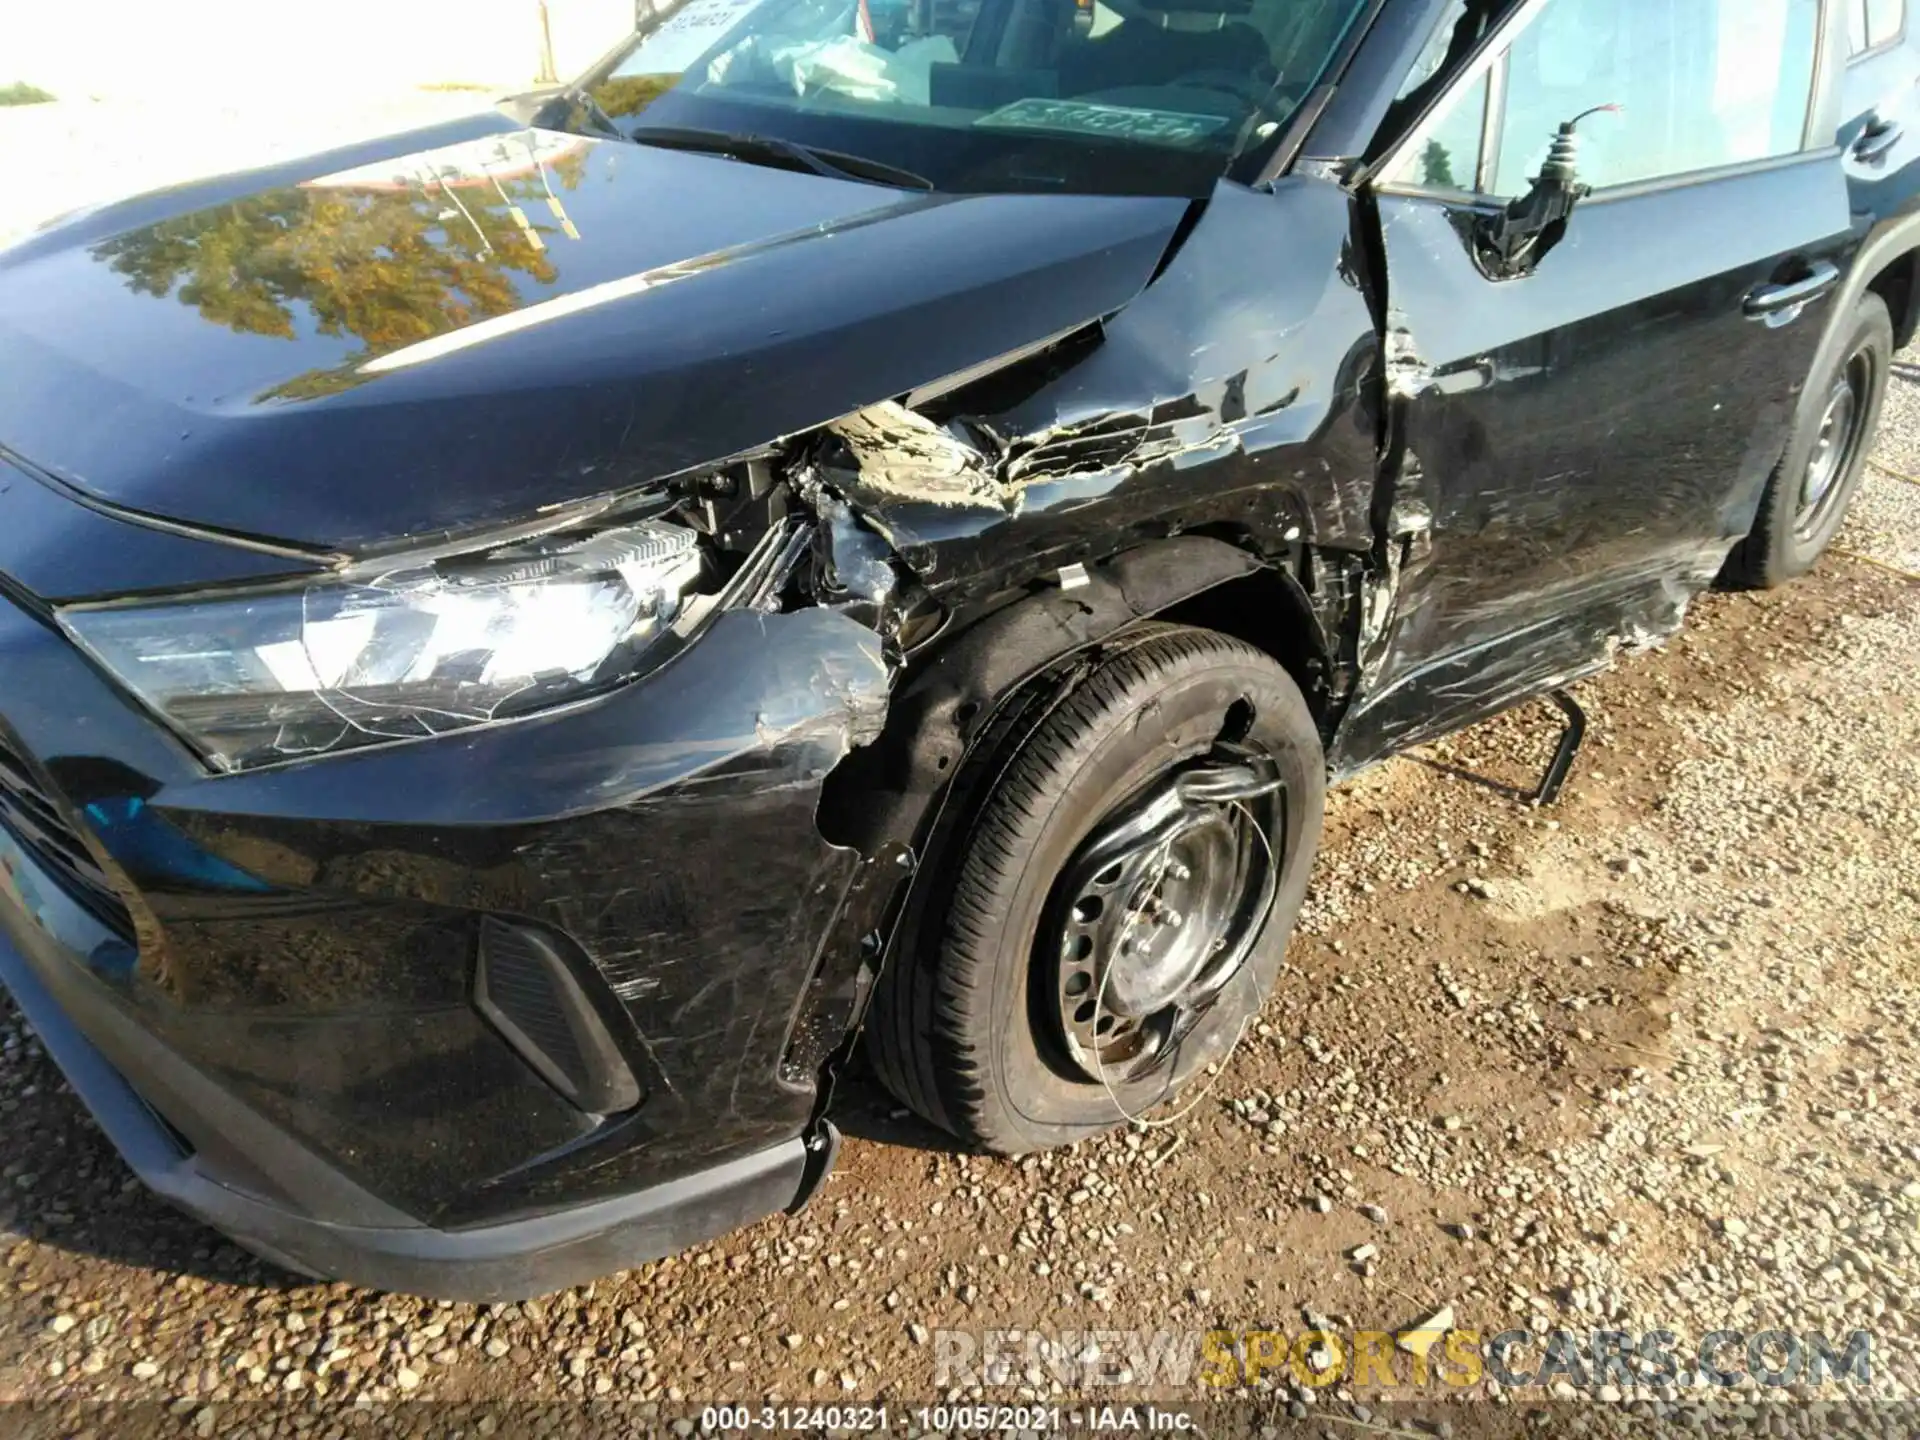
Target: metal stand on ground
point(1562, 763)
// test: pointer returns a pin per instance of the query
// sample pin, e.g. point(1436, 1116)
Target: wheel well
point(1271, 613)
point(1896, 285)
point(884, 792)
point(887, 799)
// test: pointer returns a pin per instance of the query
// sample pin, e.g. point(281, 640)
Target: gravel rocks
point(1422, 1335)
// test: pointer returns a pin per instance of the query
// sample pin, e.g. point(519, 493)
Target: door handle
point(1771, 301)
point(1877, 141)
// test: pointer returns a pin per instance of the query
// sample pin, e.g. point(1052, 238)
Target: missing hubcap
point(1160, 910)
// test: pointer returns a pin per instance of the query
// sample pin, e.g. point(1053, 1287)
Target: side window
point(1885, 20)
point(1700, 83)
point(1873, 23)
point(1450, 158)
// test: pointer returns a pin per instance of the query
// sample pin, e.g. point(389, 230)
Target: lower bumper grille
point(36, 816)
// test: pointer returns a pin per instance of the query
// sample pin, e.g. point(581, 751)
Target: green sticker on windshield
point(1122, 122)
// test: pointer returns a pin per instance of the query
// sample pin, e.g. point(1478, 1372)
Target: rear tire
point(1005, 1017)
point(1807, 498)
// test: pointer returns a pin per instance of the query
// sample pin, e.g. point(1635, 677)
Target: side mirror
point(1512, 244)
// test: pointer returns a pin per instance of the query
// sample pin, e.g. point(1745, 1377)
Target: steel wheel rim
point(1159, 912)
point(1838, 445)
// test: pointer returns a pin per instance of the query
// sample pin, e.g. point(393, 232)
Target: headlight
point(276, 675)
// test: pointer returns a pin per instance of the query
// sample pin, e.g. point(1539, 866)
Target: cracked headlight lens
point(256, 678)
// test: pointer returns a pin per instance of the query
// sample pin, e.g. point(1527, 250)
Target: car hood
point(460, 327)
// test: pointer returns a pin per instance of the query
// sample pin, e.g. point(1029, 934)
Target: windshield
point(1108, 96)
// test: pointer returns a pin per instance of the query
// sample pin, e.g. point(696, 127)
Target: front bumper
point(273, 1014)
point(506, 1261)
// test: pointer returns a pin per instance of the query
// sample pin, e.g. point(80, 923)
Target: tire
point(974, 1024)
point(1794, 528)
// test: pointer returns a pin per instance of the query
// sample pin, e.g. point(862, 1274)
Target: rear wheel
point(1806, 501)
point(1116, 907)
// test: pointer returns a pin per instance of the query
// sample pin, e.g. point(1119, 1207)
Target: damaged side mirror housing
point(1510, 244)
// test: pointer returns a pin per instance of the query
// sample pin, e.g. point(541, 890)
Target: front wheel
point(1119, 902)
point(1807, 499)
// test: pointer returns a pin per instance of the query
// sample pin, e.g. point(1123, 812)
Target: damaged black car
point(862, 522)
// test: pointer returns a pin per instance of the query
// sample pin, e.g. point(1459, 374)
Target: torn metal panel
point(1206, 402)
point(898, 452)
point(702, 520)
point(1407, 374)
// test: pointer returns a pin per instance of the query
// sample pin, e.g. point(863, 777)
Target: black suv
point(520, 641)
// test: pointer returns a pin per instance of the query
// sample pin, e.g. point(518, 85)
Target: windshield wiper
point(771, 149)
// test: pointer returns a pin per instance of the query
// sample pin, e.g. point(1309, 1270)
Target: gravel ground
point(1646, 1061)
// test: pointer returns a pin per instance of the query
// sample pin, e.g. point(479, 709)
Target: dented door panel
point(1582, 440)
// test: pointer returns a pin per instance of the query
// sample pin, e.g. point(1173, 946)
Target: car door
point(1882, 68)
point(1879, 126)
point(1576, 441)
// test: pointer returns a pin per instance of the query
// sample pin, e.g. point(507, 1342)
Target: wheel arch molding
point(1888, 265)
point(1897, 282)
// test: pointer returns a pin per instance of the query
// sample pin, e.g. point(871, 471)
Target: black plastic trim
point(508, 1261)
point(533, 997)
